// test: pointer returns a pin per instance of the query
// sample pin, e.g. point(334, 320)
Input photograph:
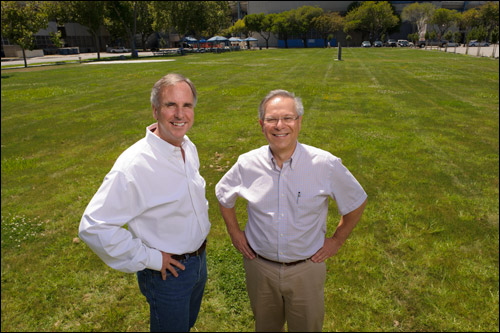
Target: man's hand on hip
point(168, 263)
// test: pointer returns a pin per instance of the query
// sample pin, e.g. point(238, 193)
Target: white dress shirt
point(160, 197)
point(287, 208)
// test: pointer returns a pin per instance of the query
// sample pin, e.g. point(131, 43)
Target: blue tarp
point(297, 43)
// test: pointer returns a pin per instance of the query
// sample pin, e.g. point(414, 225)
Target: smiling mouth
point(178, 124)
point(280, 135)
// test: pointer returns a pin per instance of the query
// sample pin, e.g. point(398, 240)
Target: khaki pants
point(279, 293)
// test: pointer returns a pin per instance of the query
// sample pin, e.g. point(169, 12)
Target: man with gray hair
point(155, 187)
point(284, 245)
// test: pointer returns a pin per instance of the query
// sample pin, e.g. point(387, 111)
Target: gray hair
point(299, 108)
point(170, 80)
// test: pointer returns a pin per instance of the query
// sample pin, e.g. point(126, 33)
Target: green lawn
point(418, 129)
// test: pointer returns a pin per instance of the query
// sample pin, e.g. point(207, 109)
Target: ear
point(155, 114)
point(261, 125)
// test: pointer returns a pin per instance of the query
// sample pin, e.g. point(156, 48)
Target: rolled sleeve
point(227, 189)
point(345, 189)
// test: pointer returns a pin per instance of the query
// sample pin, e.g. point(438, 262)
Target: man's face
point(282, 136)
point(175, 114)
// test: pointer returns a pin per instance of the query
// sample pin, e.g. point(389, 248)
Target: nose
point(178, 113)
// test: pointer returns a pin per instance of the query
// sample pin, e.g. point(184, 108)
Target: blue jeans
point(174, 304)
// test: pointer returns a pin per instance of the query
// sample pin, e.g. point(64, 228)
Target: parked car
point(366, 44)
point(377, 43)
point(117, 49)
point(476, 43)
point(403, 43)
point(453, 44)
point(440, 43)
point(391, 43)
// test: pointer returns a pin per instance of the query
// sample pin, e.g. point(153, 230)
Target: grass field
point(418, 129)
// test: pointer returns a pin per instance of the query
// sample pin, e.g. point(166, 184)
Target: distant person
point(155, 187)
point(284, 244)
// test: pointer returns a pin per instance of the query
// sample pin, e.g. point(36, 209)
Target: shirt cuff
point(156, 260)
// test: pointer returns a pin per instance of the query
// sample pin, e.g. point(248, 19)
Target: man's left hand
point(329, 249)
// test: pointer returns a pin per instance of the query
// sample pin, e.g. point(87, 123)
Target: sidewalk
point(69, 57)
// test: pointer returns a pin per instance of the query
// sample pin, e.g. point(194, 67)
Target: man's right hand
point(240, 242)
point(168, 263)
point(238, 237)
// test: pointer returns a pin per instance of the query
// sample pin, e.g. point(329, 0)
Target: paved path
point(69, 57)
point(486, 51)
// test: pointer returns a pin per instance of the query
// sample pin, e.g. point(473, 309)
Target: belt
point(283, 263)
point(192, 254)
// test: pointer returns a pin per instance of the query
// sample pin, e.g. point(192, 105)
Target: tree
point(191, 17)
point(260, 23)
point(328, 23)
point(447, 36)
point(419, 14)
point(239, 28)
point(443, 19)
point(413, 38)
point(253, 22)
point(468, 20)
point(480, 34)
point(489, 15)
point(372, 18)
point(303, 20)
point(144, 21)
point(494, 41)
point(457, 37)
point(91, 15)
point(348, 38)
point(21, 21)
point(216, 18)
point(125, 14)
point(267, 27)
point(282, 26)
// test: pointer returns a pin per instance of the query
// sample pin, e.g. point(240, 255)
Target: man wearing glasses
point(284, 244)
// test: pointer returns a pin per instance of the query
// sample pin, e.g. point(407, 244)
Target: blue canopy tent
point(248, 40)
point(236, 41)
point(218, 40)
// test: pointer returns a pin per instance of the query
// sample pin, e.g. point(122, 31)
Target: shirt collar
point(293, 159)
point(161, 144)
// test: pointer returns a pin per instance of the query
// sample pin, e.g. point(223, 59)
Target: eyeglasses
point(287, 120)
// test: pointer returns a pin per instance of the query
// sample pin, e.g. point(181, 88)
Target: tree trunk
point(134, 51)
point(24, 57)
point(96, 36)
